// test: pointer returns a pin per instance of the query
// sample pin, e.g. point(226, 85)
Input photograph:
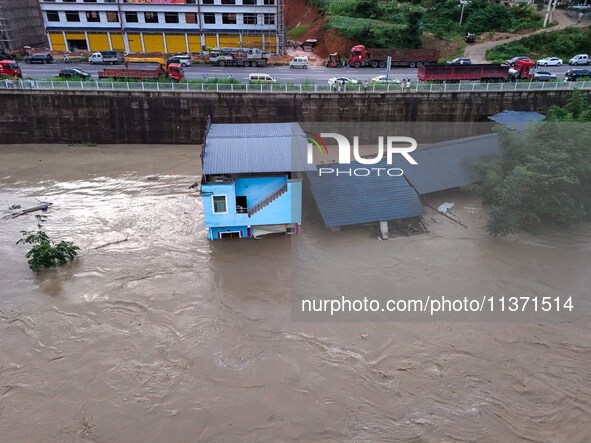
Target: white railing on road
point(287, 87)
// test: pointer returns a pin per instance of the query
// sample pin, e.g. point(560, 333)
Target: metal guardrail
point(287, 87)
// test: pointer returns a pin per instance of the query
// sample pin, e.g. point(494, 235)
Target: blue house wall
point(285, 209)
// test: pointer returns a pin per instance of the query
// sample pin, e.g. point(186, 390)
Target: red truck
point(481, 72)
point(377, 58)
point(173, 71)
point(10, 68)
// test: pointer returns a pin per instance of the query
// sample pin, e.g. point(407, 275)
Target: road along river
point(169, 337)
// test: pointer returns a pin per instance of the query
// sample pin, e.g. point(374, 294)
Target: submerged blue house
point(251, 184)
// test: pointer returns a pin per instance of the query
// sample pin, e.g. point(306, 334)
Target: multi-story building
point(163, 25)
point(20, 25)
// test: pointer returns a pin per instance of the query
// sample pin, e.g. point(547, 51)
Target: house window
point(171, 17)
point(112, 17)
point(228, 2)
point(269, 2)
point(229, 19)
point(209, 18)
point(250, 19)
point(249, 2)
point(72, 16)
point(131, 17)
point(269, 19)
point(219, 204)
point(208, 2)
point(151, 17)
point(93, 17)
point(190, 17)
point(53, 16)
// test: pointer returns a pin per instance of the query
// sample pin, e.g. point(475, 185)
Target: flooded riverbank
point(169, 337)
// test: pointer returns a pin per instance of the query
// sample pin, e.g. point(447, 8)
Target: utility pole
point(550, 12)
point(463, 3)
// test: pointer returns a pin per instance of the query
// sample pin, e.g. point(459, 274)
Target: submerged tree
point(45, 253)
point(544, 176)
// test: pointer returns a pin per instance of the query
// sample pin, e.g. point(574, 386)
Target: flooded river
point(166, 337)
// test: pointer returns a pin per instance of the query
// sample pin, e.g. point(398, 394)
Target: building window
point(89, 1)
point(112, 17)
point(249, 19)
point(229, 19)
point(93, 17)
point(72, 16)
point(131, 17)
point(190, 17)
point(209, 18)
point(269, 2)
point(151, 17)
point(219, 204)
point(53, 16)
point(228, 2)
point(171, 17)
point(249, 2)
point(207, 2)
point(269, 19)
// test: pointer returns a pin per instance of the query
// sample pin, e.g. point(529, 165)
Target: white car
point(299, 62)
point(550, 61)
point(340, 80)
point(384, 79)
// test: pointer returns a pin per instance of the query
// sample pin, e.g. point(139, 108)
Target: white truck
point(106, 58)
point(579, 59)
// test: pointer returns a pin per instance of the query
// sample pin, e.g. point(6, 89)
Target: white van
point(579, 59)
point(266, 78)
point(299, 62)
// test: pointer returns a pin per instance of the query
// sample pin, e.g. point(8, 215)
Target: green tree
point(544, 176)
point(45, 253)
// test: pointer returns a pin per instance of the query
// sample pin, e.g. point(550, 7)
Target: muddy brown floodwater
point(170, 338)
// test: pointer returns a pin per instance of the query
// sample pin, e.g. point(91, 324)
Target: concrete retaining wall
point(160, 117)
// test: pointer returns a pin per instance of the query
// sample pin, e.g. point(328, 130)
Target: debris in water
point(111, 243)
point(42, 207)
point(152, 178)
point(445, 207)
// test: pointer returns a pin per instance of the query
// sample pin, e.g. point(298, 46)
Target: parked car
point(543, 76)
point(579, 59)
point(183, 60)
point(39, 58)
point(299, 62)
point(340, 80)
point(572, 75)
point(470, 37)
point(384, 79)
point(582, 6)
point(460, 61)
point(550, 61)
point(74, 73)
point(511, 62)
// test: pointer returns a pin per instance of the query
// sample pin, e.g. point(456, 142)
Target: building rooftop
point(344, 200)
point(516, 120)
point(448, 164)
point(255, 148)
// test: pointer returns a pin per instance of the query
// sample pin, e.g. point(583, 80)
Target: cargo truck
point(477, 72)
point(10, 68)
point(173, 71)
point(239, 57)
point(377, 58)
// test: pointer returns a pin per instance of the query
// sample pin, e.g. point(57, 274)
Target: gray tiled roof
point(255, 148)
point(516, 120)
point(448, 164)
point(345, 200)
